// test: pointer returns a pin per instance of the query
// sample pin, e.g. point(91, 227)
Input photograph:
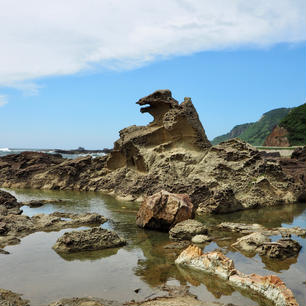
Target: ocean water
point(34, 269)
point(7, 151)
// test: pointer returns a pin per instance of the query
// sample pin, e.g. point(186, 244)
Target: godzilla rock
point(163, 210)
point(282, 249)
point(171, 153)
point(10, 298)
point(185, 230)
point(88, 240)
point(8, 204)
point(271, 287)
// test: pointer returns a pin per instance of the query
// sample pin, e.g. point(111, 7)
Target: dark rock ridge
point(88, 240)
point(171, 153)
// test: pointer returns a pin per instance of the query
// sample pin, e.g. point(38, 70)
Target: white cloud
point(3, 100)
point(44, 38)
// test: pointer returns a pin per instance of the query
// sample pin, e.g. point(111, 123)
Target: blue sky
point(81, 93)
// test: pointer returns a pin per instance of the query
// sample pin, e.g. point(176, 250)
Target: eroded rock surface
point(251, 228)
point(9, 204)
point(171, 153)
point(14, 227)
point(185, 230)
point(262, 244)
point(88, 240)
point(10, 298)
point(163, 210)
point(270, 287)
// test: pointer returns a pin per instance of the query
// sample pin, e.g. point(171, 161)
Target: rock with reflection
point(185, 230)
point(251, 228)
point(270, 287)
point(163, 210)
point(88, 240)
point(14, 227)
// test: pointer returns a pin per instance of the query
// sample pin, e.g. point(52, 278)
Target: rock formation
point(88, 240)
point(9, 204)
point(171, 153)
point(271, 287)
point(14, 227)
point(163, 210)
point(251, 228)
point(261, 244)
point(186, 230)
point(277, 138)
point(10, 298)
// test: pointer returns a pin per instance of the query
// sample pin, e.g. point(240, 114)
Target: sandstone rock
point(8, 204)
point(10, 298)
point(200, 239)
point(282, 249)
point(88, 240)
point(277, 138)
point(185, 230)
point(251, 242)
point(39, 203)
point(13, 227)
point(172, 153)
point(271, 287)
point(299, 154)
point(251, 228)
point(163, 210)
point(84, 301)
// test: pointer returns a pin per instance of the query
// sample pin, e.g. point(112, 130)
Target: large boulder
point(163, 210)
point(88, 240)
point(187, 229)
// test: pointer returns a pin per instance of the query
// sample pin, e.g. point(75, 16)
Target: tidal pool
point(34, 269)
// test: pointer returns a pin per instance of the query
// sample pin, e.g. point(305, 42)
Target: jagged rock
point(8, 204)
point(271, 287)
point(251, 228)
point(299, 154)
point(282, 249)
point(171, 153)
point(88, 240)
point(277, 138)
point(185, 230)
point(163, 210)
point(200, 239)
point(13, 227)
point(10, 298)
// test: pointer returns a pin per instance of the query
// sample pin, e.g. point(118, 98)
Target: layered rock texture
point(271, 287)
point(277, 138)
point(186, 230)
point(171, 153)
point(88, 240)
point(163, 210)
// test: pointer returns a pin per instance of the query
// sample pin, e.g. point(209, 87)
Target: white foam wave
point(5, 149)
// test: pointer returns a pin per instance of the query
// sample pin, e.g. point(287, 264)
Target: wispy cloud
point(3, 100)
point(45, 38)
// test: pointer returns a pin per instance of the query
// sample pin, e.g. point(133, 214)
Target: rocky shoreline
point(171, 153)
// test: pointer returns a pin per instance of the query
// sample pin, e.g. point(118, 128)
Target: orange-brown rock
point(162, 210)
point(271, 287)
point(277, 138)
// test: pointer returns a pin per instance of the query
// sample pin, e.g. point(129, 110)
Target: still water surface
point(36, 270)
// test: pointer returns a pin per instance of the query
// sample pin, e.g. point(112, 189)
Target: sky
point(71, 71)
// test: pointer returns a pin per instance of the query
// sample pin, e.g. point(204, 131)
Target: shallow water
point(35, 270)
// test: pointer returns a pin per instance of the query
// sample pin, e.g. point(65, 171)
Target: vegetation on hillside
point(295, 124)
point(255, 133)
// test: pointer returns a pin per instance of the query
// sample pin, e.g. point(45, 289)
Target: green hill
point(295, 124)
point(255, 133)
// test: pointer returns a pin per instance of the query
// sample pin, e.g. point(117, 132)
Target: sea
point(7, 151)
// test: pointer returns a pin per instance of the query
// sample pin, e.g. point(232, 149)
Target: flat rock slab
point(88, 240)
